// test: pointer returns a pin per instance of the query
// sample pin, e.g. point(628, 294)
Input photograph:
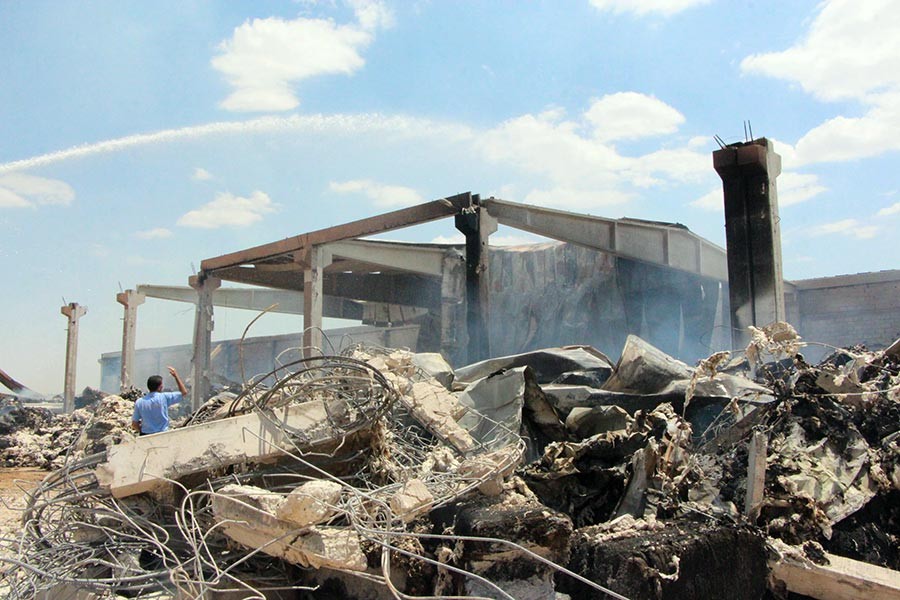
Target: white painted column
point(129, 299)
point(203, 328)
point(314, 261)
point(73, 312)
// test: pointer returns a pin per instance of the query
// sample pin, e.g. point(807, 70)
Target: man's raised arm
point(178, 381)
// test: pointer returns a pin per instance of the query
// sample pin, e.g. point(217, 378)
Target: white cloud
point(356, 124)
point(678, 164)
point(852, 49)
point(372, 14)
point(228, 210)
point(544, 145)
point(642, 8)
point(849, 138)
point(201, 174)
point(893, 209)
point(630, 116)
point(19, 190)
point(584, 171)
point(711, 201)
point(154, 234)
point(794, 188)
point(10, 199)
point(851, 52)
point(383, 195)
point(845, 227)
point(700, 142)
point(264, 58)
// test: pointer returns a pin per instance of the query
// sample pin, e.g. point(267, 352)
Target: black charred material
point(590, 491)
point(688, 560)
point(872, 534)
point(540, 418)
point(531, 525)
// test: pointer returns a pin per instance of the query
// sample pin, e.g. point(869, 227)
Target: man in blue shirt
point(151, 413)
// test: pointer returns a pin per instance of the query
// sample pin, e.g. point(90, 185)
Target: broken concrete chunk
point(411, 500)
point(436, 408)
point(331, 547)
point(491, 468)
point(311, 503)
point(256, 497)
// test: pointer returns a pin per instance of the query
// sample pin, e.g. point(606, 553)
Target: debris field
point(381, 473)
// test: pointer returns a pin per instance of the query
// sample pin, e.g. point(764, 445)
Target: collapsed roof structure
point(480, 465)
point(467, 300)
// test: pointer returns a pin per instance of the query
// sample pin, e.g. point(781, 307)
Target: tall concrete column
point(130, 299)
point(477, 225)
point(203, 328)
point(73, 312)
point(314, 260)
point(755, 281)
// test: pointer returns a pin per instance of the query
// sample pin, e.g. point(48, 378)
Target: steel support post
point(73, 312)
point(477, 225)
point(755, 281)
point(130, 300)
point(203, 328)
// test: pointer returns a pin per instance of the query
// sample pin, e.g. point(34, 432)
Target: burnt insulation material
point(687, 560)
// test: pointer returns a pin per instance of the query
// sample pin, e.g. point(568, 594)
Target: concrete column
point(755, 283)
point(203, 328)
point(129, 299)
point(477, 225)
point(314, 261)
point(453, 293)
point(73, 312)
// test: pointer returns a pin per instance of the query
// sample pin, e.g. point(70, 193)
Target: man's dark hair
point(154, 384)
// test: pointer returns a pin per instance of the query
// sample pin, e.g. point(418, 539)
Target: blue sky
point(139, 138)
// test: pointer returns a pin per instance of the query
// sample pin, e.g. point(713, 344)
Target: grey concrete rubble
point(381, 473)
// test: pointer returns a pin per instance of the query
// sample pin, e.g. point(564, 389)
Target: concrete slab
point(145, 463)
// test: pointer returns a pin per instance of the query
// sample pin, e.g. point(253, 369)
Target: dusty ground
point(14, 483)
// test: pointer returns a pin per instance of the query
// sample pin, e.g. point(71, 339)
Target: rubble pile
point(385, 474)
point(36, 437)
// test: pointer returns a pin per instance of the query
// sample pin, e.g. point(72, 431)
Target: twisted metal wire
point(74, 532)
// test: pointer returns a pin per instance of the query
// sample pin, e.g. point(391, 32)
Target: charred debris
point(380, 473)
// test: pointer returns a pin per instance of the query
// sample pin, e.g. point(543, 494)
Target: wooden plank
point(405, 217)
point(841, 579)
point(756, 475)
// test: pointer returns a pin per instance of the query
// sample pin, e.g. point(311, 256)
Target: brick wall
point(850, 309)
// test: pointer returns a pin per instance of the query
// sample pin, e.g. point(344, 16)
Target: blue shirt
point(152, 410)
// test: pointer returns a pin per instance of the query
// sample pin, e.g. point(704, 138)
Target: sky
point(139, 138)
